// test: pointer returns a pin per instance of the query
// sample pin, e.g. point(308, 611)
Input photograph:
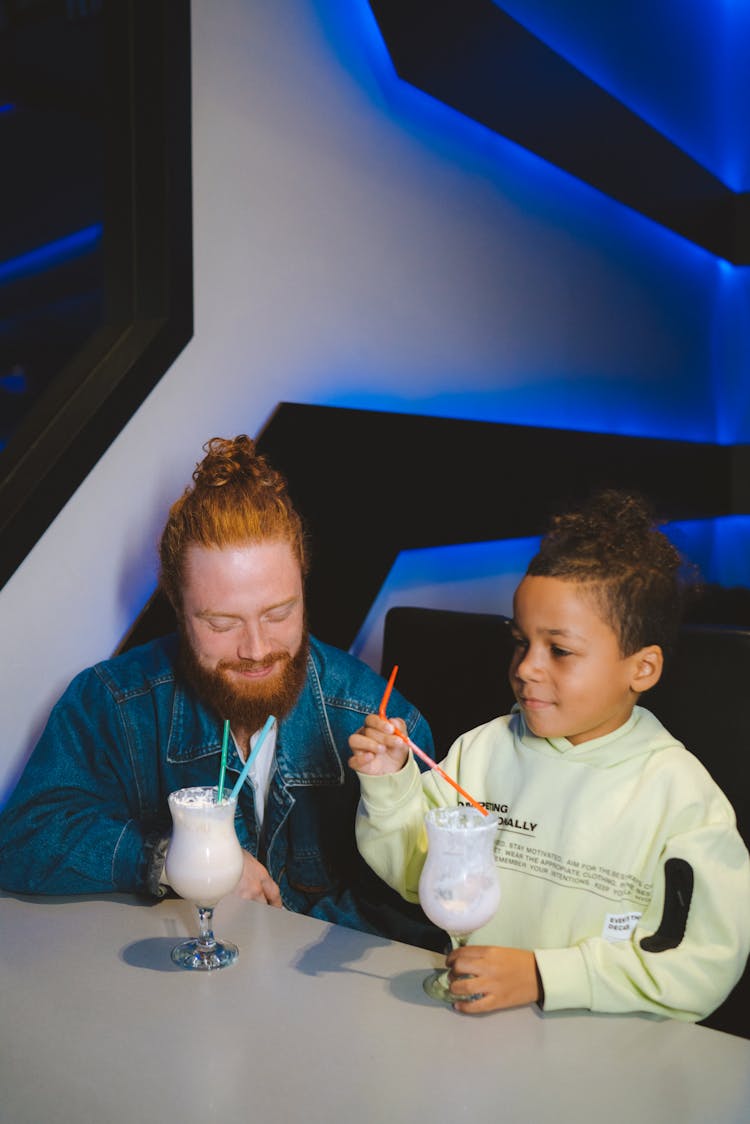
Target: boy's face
point(567, 673)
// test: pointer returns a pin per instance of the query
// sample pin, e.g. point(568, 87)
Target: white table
point(314, 1023)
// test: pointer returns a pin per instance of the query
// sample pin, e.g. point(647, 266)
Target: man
point(90, 812)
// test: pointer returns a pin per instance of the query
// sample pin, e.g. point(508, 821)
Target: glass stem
point(206, 940)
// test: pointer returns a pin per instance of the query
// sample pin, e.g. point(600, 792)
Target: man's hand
point(376, 750)
point(504, 977)
point(256, 884)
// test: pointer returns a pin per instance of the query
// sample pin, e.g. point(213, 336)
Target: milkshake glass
point(458, 888)
point(204, 863)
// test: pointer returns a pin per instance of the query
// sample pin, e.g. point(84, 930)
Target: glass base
point(196, 956)
point(437, 986)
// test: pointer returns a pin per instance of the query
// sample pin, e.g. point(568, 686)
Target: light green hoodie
point(586, 835)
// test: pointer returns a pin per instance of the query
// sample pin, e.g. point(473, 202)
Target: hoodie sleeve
point(688, 949)
point(390, 830)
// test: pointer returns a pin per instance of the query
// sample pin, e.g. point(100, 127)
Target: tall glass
point(204, 862)
point(458, 888)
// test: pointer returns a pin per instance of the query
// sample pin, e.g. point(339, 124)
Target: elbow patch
point(678, 893)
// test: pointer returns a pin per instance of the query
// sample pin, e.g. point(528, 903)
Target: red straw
point(420, 752)
point(387, 693)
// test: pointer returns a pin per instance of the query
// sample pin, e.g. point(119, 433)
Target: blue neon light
point(14, 382)
point(719, 547)
point(482, 577)
point(677, 289)
point(7, 107)
point(62, 249)
point(679, 66)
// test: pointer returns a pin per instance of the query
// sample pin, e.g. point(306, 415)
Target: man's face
point(243, 628)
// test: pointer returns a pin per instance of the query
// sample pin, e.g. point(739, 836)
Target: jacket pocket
point(307, 874)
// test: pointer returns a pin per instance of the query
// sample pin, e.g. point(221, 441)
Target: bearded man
point(90, 813)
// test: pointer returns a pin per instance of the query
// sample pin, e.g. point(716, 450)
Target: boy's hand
point(376, 750)
point(504, 977)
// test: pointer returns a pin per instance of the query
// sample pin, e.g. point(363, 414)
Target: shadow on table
point(340, 950)
point(152, 953)
point(408, 987)
point(336, 950)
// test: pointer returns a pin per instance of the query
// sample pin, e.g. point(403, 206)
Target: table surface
point(314, 1023)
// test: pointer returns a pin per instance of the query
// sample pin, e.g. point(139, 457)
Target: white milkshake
point(460, 908)
point(459, 888)
point(204, 860)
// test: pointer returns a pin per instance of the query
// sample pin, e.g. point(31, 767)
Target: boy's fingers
point(362, 741)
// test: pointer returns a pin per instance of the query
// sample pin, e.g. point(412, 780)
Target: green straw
point(223, 769)
point(246, 768)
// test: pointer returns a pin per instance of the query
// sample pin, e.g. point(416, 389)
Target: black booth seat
point(454, 667)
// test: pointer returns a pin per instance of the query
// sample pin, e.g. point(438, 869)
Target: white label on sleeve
point(619, 926)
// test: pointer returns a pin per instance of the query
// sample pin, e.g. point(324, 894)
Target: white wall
point(351, 248)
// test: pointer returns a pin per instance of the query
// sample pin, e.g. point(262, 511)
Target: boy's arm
point(682, 960)
point(390, 830)
point(687, 951)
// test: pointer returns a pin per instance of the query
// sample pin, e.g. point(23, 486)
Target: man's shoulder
point(340, 672)
point(140, 669)
point(348, 683)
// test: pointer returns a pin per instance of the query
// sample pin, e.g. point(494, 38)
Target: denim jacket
point(91, 804)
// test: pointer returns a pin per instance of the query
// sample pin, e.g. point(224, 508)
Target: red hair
point(236, 497)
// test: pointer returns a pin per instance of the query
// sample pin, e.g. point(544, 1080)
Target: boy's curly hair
point(236, 498)
point(635, 574)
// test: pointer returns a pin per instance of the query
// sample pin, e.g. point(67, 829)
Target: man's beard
point(247, 704)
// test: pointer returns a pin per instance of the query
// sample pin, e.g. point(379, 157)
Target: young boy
point(625, 884)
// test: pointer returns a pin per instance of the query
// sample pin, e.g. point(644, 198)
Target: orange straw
point(420, 752)
point(387, 693)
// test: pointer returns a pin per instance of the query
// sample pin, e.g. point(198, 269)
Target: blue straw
point(223, 769)
point(246, 768)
